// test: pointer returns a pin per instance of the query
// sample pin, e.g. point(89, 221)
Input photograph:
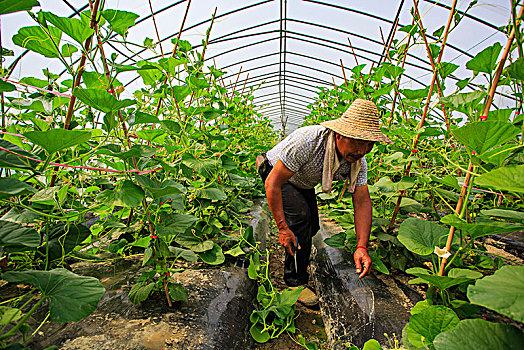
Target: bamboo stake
point(405, 55)
point(156, 28)
point(81, 66)
point(433, 66)
point(426, 107)
point(344, 72)
point(485, 112)
point(204, 51)
point(78, 77)
point(173, 55)
point(236, 81)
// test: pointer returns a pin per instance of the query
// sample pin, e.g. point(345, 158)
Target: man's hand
point(362, 262)
point(287, 240)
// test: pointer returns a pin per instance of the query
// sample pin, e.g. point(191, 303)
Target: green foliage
point(71, 297)
point(501, 292)
point(479, 334)
point(509, 178)
point(10, 6)
point(55, 140)
point(10, 187)
point(426, 325)
point(486, 60)
point(15, 237)
point(36, 39)
point(420, 236)
point(120, 21)
point(129, 195)
point(483, 136)
point(75, 28)
point(101, 100)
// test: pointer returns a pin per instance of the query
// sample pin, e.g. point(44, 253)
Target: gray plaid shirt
point(303, 151)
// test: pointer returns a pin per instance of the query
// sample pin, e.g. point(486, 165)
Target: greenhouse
point(261, 174)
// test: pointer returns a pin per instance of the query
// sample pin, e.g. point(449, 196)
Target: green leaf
point(119, 20)
point(372, 344)
point(152, 74)
point(10, 6)
point(211, 193)
point(476, 334)
point(158, 189)
point(35, 39)
point(510, 215)
point(177, 292)
point(176, 223)
point(421, 236)
point(258, 333)
point(509, 178)
point(336, 241)
point(465, 273)
point(482, 228)
point(142, 118)
point(63, 239)
point(45, 196)
point(169, 64)
point(95, 80)
point(10, 187)
point(15, 237)
point(465, 102)
point(68, 50)
point(445, 69)
point(55, 140)
point(432, 321)
point(197, 245)
point(9, 314)
point(129, 196)
point(419, 307)
point(204, 167)
point(500, 115)
point(214, 256)
point(75, 28)
point(180, 92)
point(483, 136)
point(378, 264)
point(501, 292)
point(442, 282)
point(101, 100)
point(486, 60)
point(136, 151)
point(387, 186)
point(415, 94)
point(498, 155)
point(236, 251)
point(12, 161)
point(6, 87)
point(185, 254)
point(140, 291)
point(196, 83)
point(183, 45)
point(71, 297)
point(516, 69)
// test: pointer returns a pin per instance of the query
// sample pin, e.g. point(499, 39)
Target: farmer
point(317, 154)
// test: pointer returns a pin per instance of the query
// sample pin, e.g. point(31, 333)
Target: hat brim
point(341, 127)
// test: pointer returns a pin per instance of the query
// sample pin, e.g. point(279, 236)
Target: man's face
point(353, 149)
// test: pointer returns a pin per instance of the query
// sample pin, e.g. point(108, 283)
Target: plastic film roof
point(286, 49)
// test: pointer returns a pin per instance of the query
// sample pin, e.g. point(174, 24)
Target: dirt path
point(308, 322)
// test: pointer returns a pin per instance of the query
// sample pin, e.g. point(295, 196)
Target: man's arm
point(363, 215)
point(276, 178)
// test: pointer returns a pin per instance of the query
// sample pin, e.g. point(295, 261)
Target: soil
point(308, 321)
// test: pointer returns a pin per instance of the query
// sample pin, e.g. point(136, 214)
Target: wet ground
point(309, 321)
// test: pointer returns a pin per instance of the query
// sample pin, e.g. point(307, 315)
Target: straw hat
point(360, 121)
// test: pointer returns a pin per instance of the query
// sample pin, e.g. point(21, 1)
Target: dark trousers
point(301, 213)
